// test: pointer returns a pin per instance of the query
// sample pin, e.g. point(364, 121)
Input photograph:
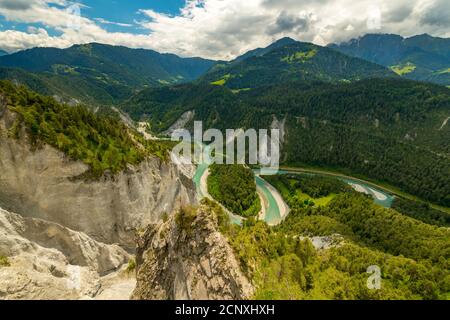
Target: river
point(274, 206)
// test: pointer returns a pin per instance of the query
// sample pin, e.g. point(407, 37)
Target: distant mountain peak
point(423, 35)
point(262, 51)
point(284, 41)
point(288, 60)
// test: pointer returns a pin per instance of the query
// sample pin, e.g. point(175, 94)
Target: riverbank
point(275, 209)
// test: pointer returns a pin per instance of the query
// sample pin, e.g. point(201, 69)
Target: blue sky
point(118, 11)
point(216, 29)
point(126, 11)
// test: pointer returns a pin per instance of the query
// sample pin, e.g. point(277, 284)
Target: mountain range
point(322, 94)
point(421, 57)
point(97, 73)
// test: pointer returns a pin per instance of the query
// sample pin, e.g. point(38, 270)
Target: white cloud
point(224, 29)
point(104, 21)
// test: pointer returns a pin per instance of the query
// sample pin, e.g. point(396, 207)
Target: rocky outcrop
point(49, 261)
point(326, 242)
point(43, 184)
point(188, 258)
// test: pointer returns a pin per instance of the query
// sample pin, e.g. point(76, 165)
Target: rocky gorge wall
point(48, 261)
point(42, 184)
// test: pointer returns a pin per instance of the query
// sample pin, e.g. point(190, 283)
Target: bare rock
point(188, 258)
point(49, 261)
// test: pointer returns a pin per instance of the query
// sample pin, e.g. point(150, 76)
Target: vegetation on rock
point(103, 143)
point(4, 261)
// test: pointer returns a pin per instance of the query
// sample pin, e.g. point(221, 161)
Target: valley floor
point(275, 209)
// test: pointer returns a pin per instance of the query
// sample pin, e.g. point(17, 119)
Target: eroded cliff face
point(188, 258)
point(49, 261)
point(42, 184)
point(65, 237)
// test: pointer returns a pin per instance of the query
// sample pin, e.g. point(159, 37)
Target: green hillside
point(283, 263)
point(101, 74)
point(292, 61)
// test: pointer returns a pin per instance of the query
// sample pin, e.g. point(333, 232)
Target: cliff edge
point(187, 257)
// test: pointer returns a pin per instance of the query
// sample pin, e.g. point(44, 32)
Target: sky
point(215, 29)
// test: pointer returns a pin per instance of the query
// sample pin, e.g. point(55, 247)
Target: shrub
point(4, 261)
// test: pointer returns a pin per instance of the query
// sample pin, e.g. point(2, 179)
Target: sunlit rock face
point(188, 259)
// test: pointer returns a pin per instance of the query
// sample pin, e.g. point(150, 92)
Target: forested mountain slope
point(330, 239)
point(289, 60)
point(74, 186)
point(103, 74)
point(387, 129)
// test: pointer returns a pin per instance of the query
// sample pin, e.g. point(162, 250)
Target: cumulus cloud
point(224, 29)
point(437, 14)
point(291, 23)
point(16, 4)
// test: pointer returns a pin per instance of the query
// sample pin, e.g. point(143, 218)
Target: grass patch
point(325, 200)
point(222, 81)
point(302, 56)
point(444, 71)
point(404, 68)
